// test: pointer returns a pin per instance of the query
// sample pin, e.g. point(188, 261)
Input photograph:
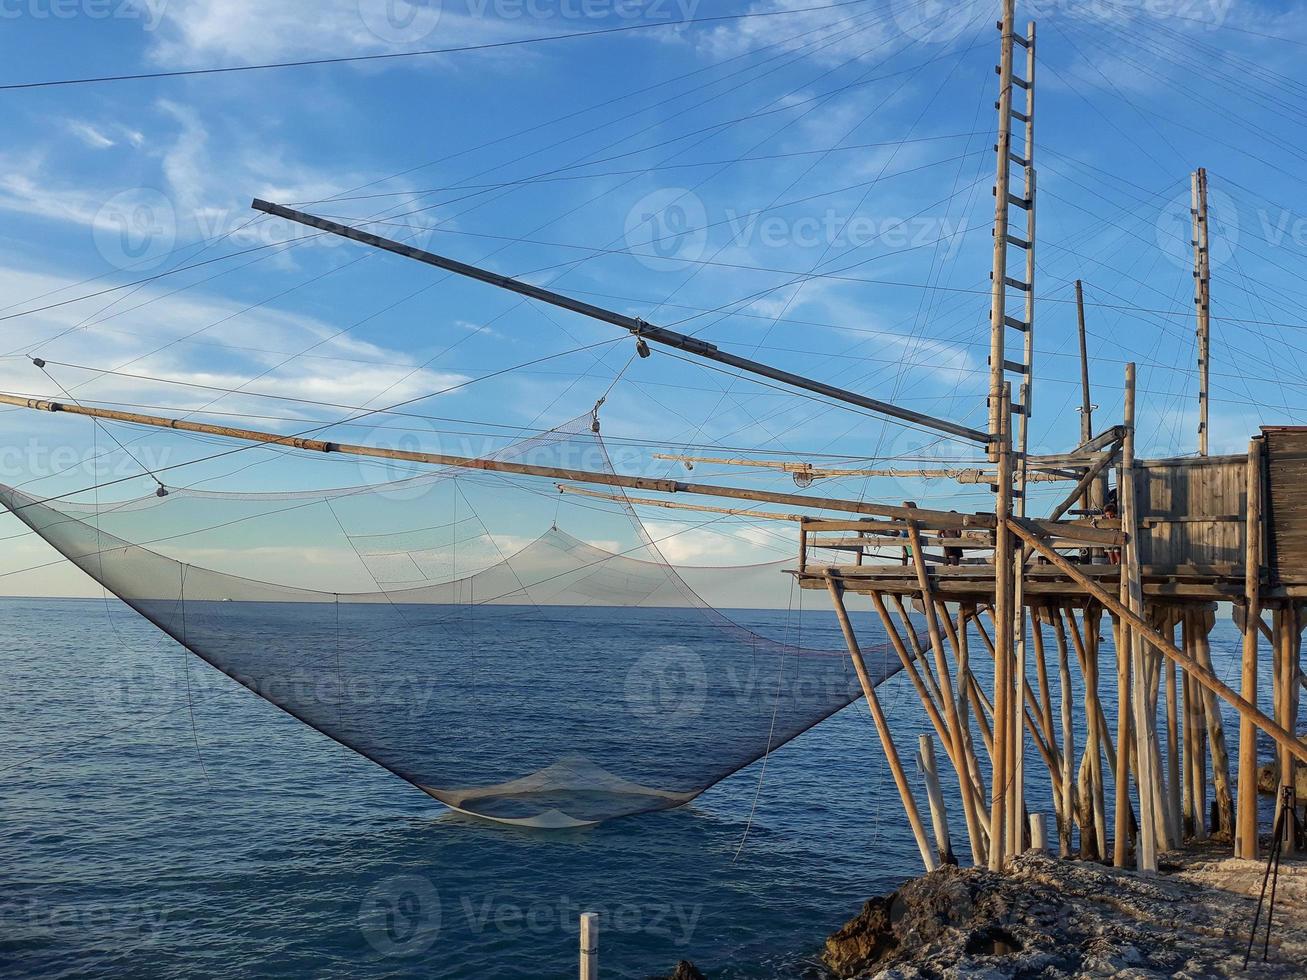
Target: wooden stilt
point(1132, 587)
point(1068, 737)
point(1286, 632)
point(935, 797)
point(882, 725)
point(1246, 846)
point(1203, 620)
point(1099, 741)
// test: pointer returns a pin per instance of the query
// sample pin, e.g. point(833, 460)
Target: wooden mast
point(1246, 805)
point(1202, 300)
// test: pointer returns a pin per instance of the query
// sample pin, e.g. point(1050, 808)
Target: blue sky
point(821, 180)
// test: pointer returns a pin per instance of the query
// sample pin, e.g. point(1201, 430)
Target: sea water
point(159, 820)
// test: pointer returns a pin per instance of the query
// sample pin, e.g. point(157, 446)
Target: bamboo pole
point(882, 725)
point(910, 667)
point(966, 683)
point(942, 669)
point(1087, 653)
point(1287, 663)
point(1144, 722)
point(935, 797)
point(1068, 736)
point(1246, 813)
point(1203, 621)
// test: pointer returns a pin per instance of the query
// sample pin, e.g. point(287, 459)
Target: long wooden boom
point(937, 519)
point(638, 327)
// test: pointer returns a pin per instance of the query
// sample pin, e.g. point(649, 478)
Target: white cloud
point(202, 32)
point(89, 135)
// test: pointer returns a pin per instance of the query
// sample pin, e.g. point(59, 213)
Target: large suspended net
point(516, 653)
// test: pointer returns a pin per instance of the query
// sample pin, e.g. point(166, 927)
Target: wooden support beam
point(1098, 742)
point(1246, 814)
point(1068, 735)
point(882, 725)
point(1201, 621)
point(965, 787)
point(636, 326)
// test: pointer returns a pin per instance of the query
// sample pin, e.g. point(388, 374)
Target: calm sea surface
point(158, 820)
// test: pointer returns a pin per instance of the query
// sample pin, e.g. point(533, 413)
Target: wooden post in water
point(1038, 833)
point(935, 797)
point(589, 946)
point(882, 725)
point(1203, 619)
point(1246, 845)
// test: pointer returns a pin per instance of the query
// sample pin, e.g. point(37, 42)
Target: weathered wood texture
point(1191, 512)
point(1286, 504)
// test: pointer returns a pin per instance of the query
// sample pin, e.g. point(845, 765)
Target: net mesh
point(449, 628)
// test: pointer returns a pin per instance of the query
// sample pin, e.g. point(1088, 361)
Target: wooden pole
point(1087, 654)
point(1002, 198)
point(882, 725)
point(935, 797)
point(966, 684)
point(1203, 621)
point(1038, 833)
point(589, 946)
point(1287, 662)
point(1174, 777)
point(1086, 403)
point(1068, 736)
point(1202, 300)
point(1246, 813)
point(942, 669)
point(1001, 844)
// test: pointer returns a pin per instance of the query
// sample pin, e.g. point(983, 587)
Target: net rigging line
point(543, 125)
point(434, 283)
point(428, 52)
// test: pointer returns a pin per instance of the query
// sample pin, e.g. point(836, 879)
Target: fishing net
point(516, 653)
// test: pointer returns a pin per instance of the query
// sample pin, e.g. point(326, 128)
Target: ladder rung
point(1020, 116)
point(1018, 408)
point(1016, 324)
point(1020, 83)
point(1017, 284)
point(1018, 242)
point(1016, 368)
point(1019, 161)
point(1021, 202)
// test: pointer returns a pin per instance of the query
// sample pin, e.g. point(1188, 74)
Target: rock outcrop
point(1047, 918)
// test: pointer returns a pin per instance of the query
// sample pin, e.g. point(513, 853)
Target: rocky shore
point(1046, 918)
point(1049, 918)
